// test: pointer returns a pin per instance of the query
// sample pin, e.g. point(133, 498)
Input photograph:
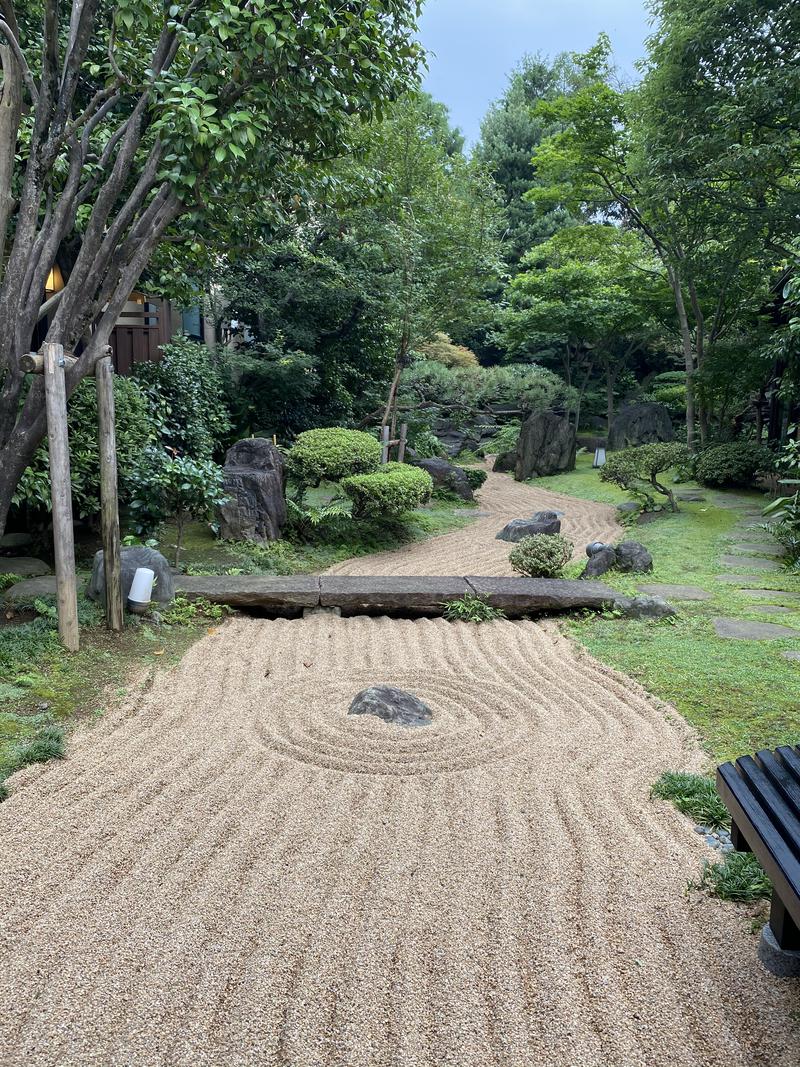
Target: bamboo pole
point(61, 495)
point(109, 500)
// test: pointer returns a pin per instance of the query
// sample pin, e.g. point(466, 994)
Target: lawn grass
point(740, 695)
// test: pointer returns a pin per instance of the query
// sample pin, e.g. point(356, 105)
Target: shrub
point(740, 877)
point(186, 390)
point(542, 555)
point(505, 440)
point(471, 608)
point(784, 511)
point(395, 488)
point(175, 487)
point(733, 464)
point(476, 476)
point(442, 349)
point(693, 794)
point(636, 471)
point(329, 455)
point(427, 445)
point(135, 429)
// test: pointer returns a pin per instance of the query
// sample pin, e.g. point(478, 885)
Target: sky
point(476, 43)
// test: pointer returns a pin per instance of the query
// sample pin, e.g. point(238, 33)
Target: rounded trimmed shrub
point(734, 464)
point(541, 556)
point(395, 488)
point(327, 455)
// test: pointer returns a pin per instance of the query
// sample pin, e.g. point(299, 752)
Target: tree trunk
point(610, 382)
point(688, 353)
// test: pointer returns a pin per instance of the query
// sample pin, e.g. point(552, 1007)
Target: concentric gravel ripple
point(230, 872)
point(475, 548)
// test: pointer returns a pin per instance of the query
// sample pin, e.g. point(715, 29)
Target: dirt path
point(236, 873)
point(475, 549)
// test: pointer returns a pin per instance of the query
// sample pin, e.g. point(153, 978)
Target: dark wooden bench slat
point(768, 845)
point(791, 759)
point(782, 777)
point(774, 803)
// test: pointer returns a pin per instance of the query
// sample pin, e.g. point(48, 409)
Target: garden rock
point(546, 446)
point(505, 463)
point(253, 482)
point(644, 607)
point(600, 562)
point(633, 556)
point(755, 563)
point(547, 516)
point(24, 566)
point(742, 630)
point(628, 507)
point(640, 424)
point(518, 528)
point(133, 558)
point(445, 476)
point(392, 705)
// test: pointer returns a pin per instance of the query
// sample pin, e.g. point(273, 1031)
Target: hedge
point(328, 455)
point(395, 488)
point(734, 464)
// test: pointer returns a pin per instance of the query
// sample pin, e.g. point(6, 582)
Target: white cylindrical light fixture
point(141, 590)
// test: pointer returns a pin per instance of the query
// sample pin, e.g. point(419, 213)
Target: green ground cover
point(740, 695)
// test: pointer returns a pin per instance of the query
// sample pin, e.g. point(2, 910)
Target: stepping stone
point(772, 594)
point(758, 548)
point(792, 655)
point(742, 630)
point(750, 561)
point(740, 579)
point(691, 496)
point(24, 566)
point(770, 609)
point(676, 592)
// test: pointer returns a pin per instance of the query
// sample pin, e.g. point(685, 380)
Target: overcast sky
point(477, 42)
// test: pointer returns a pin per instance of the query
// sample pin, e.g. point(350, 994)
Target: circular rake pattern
point(474, 722)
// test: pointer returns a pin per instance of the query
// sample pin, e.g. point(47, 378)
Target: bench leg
point(783, 926)
point(737, 839)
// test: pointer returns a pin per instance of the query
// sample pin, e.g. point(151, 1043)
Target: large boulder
point(254, 480)
point(602, 560)
point(546, 446)
point(633, 556)
point(640, 424)
point(505, 463)
point(132, 558)
point(518, 528)
point(445, 475)
point(392, 705)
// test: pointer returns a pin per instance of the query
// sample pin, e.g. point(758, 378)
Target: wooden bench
point(762, 793)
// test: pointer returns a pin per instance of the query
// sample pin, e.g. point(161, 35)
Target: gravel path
point(232, 872)
point(475, 549)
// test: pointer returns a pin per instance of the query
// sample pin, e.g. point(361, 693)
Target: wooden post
point(401, 448)
point(109, 501)
point(61, 495)
point(384, 444)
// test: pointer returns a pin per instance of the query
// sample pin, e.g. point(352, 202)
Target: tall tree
point(133, 114)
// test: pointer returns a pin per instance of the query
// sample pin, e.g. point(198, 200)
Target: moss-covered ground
point(740, 695)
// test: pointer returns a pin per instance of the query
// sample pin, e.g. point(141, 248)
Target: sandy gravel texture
point(475, 549)
point(232, 872)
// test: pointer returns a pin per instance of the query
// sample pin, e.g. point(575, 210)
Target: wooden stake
point(401, 445)
point(61, 495)
point(109, 501)
point(384, 444)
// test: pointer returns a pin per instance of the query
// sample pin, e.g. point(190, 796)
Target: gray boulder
point(602, 560)
point(628, 506)
point(254, 480)
point(132, 558)
point(505, 463)
point(644, 607)
point(546, 446)
point(392, 705)
point(633, 556)
point(547, 516)
point(640, 424)
point(518, 528)
point(445, 475)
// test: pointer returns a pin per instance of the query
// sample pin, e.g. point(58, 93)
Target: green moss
point(741, 695)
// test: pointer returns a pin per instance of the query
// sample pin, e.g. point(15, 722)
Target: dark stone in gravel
point(676, 592)
point(392, 705)
point(518, 528)
point(742, 630)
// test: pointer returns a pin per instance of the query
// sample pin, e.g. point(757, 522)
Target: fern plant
point(471, 608)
